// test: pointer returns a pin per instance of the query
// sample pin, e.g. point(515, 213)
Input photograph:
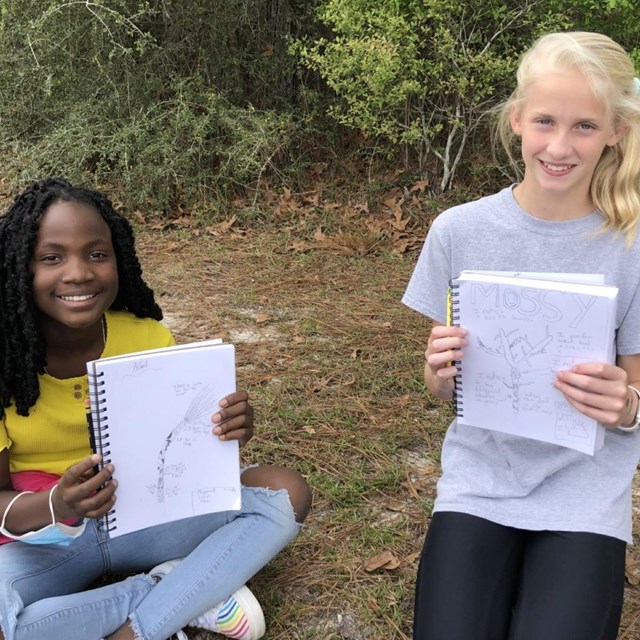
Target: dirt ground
point(332, 361)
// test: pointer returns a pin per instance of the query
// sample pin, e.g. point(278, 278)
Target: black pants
point(483, 581)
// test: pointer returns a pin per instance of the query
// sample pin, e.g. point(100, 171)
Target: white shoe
point(161, 570)
point(239, 616)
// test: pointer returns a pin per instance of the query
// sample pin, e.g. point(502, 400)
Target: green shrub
point(154, 99)
point(421, 73)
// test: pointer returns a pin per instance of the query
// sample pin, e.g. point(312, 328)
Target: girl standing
point(71, 290)
point(527, 539)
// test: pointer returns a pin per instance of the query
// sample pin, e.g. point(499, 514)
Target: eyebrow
point(582, 118)
point(60, 246)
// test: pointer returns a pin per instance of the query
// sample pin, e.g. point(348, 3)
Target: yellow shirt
point(55, 434)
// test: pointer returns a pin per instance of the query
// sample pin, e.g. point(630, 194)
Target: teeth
point(88, 296)
point(557, 167)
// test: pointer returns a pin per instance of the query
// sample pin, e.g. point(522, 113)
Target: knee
point(278, 478)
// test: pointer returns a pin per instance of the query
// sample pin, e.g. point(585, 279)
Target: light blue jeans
point(42, 587)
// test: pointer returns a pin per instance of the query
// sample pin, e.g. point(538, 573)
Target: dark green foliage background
point(188, 104)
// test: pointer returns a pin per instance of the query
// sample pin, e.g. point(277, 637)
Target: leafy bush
point(172, 103)
point(422, 72)
point(154, 99)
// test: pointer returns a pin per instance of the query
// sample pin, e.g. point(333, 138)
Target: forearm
point(30, 512)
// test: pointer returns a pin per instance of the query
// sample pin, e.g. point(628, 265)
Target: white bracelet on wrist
point(636, 423)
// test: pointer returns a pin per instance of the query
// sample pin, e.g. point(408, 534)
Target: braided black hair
point(22, 346)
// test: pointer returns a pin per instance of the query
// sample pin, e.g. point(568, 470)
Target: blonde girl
point(527, 539)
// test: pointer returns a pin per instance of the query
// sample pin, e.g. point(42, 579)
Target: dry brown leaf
point(348, 244)
point(139, 216)
point(362, 208)
point(385, 560)
point(308, 429)
point(394, 204)
point(397, 507)
point(421, 185)
point(221, 228)
point(319, 235)
point(399, 223)
point(311, 199)
point(183, 222)
point(321, 384)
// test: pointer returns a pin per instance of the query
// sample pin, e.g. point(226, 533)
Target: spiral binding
point(454, 314)
point(99, 432)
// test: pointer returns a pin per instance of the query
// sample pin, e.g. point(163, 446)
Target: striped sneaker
point(239, 616)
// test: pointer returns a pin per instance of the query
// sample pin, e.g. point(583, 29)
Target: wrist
point(631, 419)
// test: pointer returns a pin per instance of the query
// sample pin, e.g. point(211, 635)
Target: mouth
point(556, 168)
point(77, 297)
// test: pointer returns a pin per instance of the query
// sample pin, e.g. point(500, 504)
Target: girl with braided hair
point(72, 290)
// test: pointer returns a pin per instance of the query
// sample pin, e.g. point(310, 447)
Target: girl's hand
point(597, 390)
point(234, 421)
point(83, 494)
point(445, 345)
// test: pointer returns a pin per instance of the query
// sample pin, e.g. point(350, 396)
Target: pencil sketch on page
point(195, 424)
point(517, 350)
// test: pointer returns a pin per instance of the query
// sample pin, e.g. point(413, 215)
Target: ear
point(515, 121)
point(617, 135)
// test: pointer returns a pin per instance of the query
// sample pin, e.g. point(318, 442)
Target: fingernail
point(215, 417)
point(223, 402)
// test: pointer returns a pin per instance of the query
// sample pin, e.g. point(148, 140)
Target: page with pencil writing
point(521, 332)
point(151, 415)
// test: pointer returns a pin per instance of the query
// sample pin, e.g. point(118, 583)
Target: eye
point(98, 255)
point(49, 259)
point(544, 121)
point(585, 126)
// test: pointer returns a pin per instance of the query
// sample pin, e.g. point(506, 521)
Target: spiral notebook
point(151, 417)
point(523, 328)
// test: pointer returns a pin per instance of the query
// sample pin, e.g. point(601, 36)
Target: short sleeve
point(5, 441)
point(427, 288)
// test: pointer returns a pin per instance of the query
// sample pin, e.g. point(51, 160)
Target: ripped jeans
point(42, 587)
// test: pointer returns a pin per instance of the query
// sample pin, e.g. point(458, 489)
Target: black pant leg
point(467, 579)
point(572, 587)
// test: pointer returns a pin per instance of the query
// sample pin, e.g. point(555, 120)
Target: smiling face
point(75, 273)
point(564, 129)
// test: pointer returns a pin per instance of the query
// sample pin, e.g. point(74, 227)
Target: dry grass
point(333, 363)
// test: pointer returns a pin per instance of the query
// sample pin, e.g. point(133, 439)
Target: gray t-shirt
point(507, 479)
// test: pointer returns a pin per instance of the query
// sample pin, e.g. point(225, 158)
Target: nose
point(558, 145)
point(77, 270)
